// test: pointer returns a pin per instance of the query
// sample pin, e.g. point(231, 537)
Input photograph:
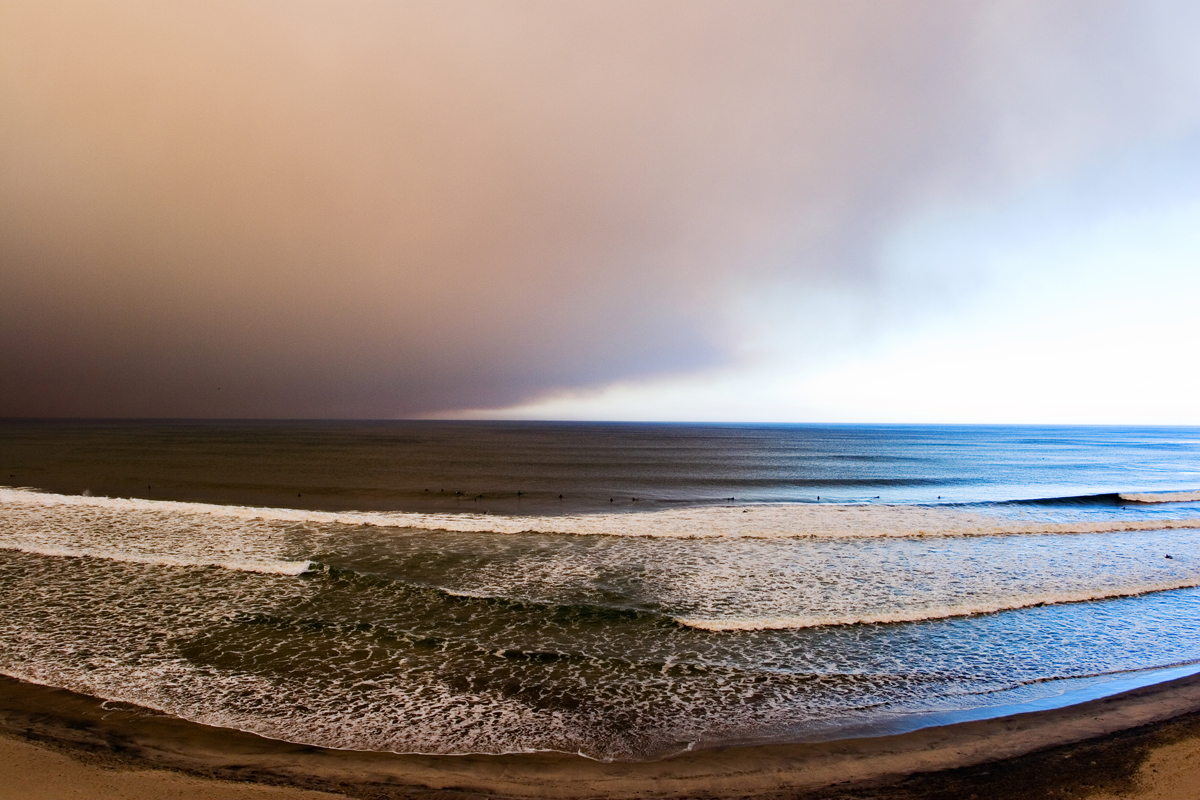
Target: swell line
point(775, 521)
point(922, 614)
point(726, 624)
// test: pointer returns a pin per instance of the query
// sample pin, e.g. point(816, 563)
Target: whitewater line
point(776, 521)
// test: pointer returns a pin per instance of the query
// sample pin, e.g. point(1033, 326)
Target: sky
point(842, 211)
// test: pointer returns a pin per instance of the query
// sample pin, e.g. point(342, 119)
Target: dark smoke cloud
point(383, 209)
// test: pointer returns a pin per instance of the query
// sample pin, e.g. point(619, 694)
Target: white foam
point(143, 532)
point(939, 612)
point(265, 567)
point(1160, 497)
point(761, 521)
point(176, 641)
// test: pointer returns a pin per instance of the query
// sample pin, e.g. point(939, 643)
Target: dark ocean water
point(496, 587)
point(444, 466)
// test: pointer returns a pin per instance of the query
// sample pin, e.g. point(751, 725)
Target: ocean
point(621, 591)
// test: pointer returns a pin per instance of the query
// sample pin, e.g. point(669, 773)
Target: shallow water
point(619, 635)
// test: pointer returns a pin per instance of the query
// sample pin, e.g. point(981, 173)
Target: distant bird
point(1167, 557)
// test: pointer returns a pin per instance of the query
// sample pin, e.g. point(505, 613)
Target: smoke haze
point(381, 209)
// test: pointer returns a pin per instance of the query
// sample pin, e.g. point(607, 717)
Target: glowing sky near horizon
point(764, 211)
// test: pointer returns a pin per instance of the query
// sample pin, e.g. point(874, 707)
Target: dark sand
point(1142, 743)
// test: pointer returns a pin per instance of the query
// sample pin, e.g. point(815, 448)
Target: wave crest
point(921, 614)
point(1160, 497)
point(707, 522)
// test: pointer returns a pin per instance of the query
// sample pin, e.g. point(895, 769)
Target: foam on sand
point(75, 720)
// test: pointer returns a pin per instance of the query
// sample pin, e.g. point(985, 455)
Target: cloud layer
point(379, 209)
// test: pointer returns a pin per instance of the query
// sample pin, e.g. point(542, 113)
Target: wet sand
point(37, 772)
point(61, 744)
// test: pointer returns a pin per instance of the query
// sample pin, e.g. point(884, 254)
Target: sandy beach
point(1141, 743)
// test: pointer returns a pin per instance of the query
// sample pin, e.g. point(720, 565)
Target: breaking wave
point(560, 612)
point(791, 520)
point(921, 614)
point(1160, 497)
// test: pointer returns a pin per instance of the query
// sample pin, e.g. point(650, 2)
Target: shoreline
point(130, 737)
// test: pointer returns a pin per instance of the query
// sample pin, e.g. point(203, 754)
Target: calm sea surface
point(623, 591)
